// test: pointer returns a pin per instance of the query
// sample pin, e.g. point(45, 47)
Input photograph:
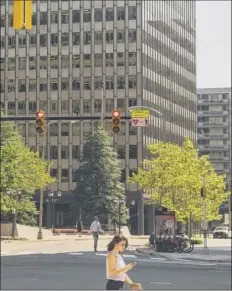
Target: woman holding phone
point(116, 269)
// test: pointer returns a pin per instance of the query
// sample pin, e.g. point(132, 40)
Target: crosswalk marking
point(98, 254)
point(158, 259)
point(129, 256)
point(76, 254)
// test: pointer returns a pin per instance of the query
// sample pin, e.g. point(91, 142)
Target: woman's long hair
point(116, 240)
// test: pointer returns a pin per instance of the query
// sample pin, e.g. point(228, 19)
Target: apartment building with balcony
point(214, 128)
point(143, 52)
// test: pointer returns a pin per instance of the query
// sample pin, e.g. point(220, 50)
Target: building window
point(54, 129)
point(98, 83)
point(64, 175)
point(32, 63)
point(97, 106)
point(11, 42)
point(53, 152)
point(54, 109)
point(98, 37)
point(43, 86)
point(76, 16)
point(121, 152)
point(3, 42)
point(43, 62)
point(54, 85)
point(76, 129)
point(54, 173)
point(2, 20)
point(132, 13)
point(22, 107)
point(76, 61)
point(87, 15)
point(43, 18)
point(121, 82)
point(11, 64)
point(76, 84)
point(54, 17)
point(120, 36)
point(75, 152)
point(98, 14)
point(64, 129)
point(65, 17)
point(98, 60)
point(2, 64)
point(64, 84)
point(132, 102)
point(120, 13)
point(76, 106)
point(109, 59)
point(86, 129)
point(87, 60)
point(121, 104)
point(132, 58)
point(2, 87)
point(109, 36)
point(123, 176)
point(12, 109)
point(76, 38)
point(33, 40)
point(133, 152)
point(87, 104)
point(43, 40)
point(32, 107)
point(132, 129)
point(64, 61)
point(121, 59)
point(132, 35)
point(43, 105)
point(109, 105)
point(65, 39)
point(132, 82)
point(54, 62)
point(32, 85)
point(11, 86)
point(109, 14)
point(109, 82)
point(87, 83)
point(54, 39)
point(64, 152)
point(87, 37)
point(22, 63)
point(64, 106)
point(22, 85)
point(22, 41)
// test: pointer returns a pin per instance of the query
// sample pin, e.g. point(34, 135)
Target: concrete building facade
point(214, 129)
point(143, 52)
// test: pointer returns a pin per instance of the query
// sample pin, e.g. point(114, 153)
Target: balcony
point(207, 101)
point(214, 112)
point(213, 147)
point(211, 124)
point(212, 135)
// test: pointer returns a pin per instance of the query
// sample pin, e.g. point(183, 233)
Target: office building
point(214, 130)
point(143, 52)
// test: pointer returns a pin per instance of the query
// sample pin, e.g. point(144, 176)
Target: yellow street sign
point(144, 113)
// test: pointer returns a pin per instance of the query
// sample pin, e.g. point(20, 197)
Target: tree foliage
point(21, 169)
point(173, 179)
point(99, 190)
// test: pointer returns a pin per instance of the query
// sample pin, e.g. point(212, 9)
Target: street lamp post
point(18, 196)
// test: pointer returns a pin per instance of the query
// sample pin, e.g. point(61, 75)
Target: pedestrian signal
point(40, 122)
point(116, 121)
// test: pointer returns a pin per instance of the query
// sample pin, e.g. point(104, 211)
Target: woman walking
point(115, 266)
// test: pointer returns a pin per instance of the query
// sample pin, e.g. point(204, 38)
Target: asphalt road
point(65, 271)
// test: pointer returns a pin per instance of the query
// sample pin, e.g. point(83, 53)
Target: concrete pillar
point(141, 217)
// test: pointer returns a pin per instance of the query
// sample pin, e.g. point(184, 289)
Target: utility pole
point(204, 222)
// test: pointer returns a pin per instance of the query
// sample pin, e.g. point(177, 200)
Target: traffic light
point(22, 14)
point(116, 121)
point(40, 122)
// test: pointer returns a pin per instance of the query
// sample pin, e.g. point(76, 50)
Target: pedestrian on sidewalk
point(79, 227)
point(95, 230)
point(116, 268)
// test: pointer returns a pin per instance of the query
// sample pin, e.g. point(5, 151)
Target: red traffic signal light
point(40, 122)
point(116, 121)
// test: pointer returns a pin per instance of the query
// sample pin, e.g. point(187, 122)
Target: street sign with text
point(135, 113)
point(139, 122)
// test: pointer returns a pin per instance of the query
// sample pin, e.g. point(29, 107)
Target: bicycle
point(184, 245)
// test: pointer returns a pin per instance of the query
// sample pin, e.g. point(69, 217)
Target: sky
point(213, 44)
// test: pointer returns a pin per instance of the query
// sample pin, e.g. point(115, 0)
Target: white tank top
point(119, 263)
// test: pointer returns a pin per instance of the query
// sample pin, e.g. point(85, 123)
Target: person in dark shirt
point(79, 228)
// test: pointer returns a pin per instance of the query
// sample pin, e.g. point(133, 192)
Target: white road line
point(158, 259)
point(76, 254)
point(4, 253)
point(25, 253)
point(104, 255)
point(129, 256)
point(161, 283)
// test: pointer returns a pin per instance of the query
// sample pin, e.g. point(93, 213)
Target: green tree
point(173, 178)
point(21, 169)
point(99, 190)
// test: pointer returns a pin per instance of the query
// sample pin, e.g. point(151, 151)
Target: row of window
point(75, 154)
point(65, 86)
point(66, 59)
point(65, 130)
point(66, 39)
point(87, 106)
point(65, 16)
